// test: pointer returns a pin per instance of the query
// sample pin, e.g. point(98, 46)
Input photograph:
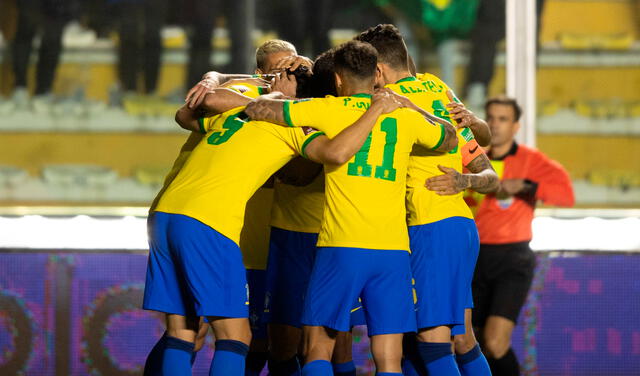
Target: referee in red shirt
point(505, 266)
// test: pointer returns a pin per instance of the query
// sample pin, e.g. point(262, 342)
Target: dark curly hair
point(323, 82)
point(386, 38)
point(356, 59)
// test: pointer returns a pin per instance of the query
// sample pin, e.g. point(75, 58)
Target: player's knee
point(232, 329)
point(386, 354)
point(496, 347)
point(463, 343)
point(244, 336)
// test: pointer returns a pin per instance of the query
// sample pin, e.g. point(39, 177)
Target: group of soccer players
point(349, 171)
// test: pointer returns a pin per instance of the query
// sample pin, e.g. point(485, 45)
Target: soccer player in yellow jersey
point(195, 266)
point(444, 238)
point(363, 242)
point(297, 212)
point(253, 243)
point(296, 218)
point(254, 238)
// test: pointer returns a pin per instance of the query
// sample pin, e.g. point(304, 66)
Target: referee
point(505, 266)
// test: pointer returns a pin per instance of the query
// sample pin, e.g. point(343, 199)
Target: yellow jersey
point(194, 139)
point(254, 237)
point(425, 206)
point(298, 208)
point(364, 205)
point(234, 158)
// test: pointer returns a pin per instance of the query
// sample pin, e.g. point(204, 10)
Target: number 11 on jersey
point(385, 171)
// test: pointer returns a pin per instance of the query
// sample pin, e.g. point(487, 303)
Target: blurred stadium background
point(80, 164)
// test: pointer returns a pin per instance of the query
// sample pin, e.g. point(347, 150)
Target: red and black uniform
point(505, 266)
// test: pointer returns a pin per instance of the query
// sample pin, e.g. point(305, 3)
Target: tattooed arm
point(482, 179)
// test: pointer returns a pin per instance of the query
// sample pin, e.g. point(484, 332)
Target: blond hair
point(269, 47)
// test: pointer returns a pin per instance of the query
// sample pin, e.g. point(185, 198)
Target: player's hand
point(510, 187)
point(463, 117)
point(384, 101)
point(293, 62)
point(450, 183)
point(285, 83)
point(405, 101)
point(196, 94)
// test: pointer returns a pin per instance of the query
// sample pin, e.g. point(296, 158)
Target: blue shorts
point(382, 278)
point(291, 258)
point(256, 279)
point(443, 258)
point(193, 270)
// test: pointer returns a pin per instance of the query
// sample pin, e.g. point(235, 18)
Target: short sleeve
point(306, 112)
point(302, 136)
point(205, 124)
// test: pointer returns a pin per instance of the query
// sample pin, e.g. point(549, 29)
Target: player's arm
point(344, 145)
point(267, 109)
point(482, 179)
point(467, 119)
point(210, 80)
point(216, 101)
point(548, 181)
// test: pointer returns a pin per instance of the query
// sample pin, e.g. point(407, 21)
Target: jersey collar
point(361, 95)
point(512, 151)
point(407, 79)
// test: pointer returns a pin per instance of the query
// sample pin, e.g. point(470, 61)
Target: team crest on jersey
point(308, 130)
point(505, 203)
point(240, 88)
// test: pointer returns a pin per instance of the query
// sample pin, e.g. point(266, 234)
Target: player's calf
point(387, 352)
point(470, 359)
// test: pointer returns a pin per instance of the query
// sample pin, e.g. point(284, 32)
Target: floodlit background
point(84, 149)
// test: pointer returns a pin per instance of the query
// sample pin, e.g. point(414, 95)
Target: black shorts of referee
point(501, 281)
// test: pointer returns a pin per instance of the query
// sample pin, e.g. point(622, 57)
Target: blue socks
point(412, 364)
point(473, 363)
point(317, 368)
point(153, 365)
point(438, 358)
point(176, 357)
point(344, 369)
point(289, 367)
point(228, 358)
point(409, 368)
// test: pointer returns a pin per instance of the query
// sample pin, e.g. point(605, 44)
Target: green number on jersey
point(440, 110)
point(360, 167)
point(385, 170)
point(231, 126)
